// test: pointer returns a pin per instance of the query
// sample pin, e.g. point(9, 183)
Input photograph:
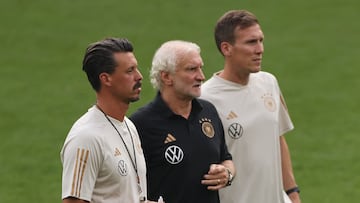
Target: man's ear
point(226, 48)
point(166, 78)
point(105, 78)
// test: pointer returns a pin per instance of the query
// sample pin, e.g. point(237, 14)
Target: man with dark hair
point(253, 113)
point(102, 156)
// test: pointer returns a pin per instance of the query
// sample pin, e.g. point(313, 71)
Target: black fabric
point(181, 182)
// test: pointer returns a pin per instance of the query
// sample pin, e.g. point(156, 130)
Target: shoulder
point(129, 123)
point(87, 135)
point(85, 139)
point(207, 106)
point(131, 126)
point(264, 75)
point(209, 111)
point(87, 130)
point(205, 103)
point(212, 87)
point(143, 113)
point(210, 83)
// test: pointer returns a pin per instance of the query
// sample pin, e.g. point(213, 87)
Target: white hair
point(166, 58)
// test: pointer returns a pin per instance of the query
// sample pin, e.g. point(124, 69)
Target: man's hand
point(216, 178)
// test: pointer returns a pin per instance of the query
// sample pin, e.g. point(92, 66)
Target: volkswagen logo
point(235, 130)
point(174, 154)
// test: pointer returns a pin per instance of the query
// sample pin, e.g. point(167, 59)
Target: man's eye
point(252, 41)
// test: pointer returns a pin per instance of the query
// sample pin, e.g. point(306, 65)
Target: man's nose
point(201, 75)
point(139, 75)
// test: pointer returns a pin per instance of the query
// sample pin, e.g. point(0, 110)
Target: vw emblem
point(122, 168)
point(174, 154)
point(235, 130)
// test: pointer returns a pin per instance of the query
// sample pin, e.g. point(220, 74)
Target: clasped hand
point(216, 178)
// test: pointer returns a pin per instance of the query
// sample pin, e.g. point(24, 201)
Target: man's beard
point(136, 86)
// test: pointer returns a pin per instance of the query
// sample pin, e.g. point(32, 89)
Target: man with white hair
point(182, 136)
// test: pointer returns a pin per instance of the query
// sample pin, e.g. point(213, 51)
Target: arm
point(287, 171)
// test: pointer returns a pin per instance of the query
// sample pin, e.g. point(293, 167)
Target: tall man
point(253, 113)
point(183, 138)
point(102, 156)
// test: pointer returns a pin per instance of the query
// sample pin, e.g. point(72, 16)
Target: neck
point(112, 108)
point(234, 75)
point(177, 104)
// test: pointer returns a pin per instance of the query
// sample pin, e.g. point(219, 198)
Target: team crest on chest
point(269, 102)
point(206, 127)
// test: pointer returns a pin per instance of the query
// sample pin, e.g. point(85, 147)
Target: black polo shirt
point(179, 151)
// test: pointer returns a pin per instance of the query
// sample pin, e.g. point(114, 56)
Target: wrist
point(292, 190)
point(230, 177)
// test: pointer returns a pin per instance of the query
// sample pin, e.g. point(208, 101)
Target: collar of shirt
point(160, 104)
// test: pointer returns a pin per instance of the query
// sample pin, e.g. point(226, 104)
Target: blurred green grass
point(311, 46)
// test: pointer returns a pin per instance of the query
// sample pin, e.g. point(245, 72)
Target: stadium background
point(311, 46)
